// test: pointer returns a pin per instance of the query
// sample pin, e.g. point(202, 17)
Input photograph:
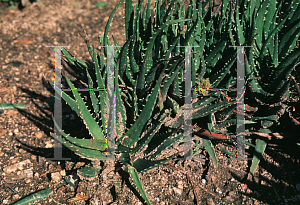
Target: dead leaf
point(77, 198)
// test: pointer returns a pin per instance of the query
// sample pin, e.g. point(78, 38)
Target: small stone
point(56, 177)
point(49, 144)
point(231, 193)
point(22, 151)
point(14, 160)
point(219, 191)
point(63, 172)
point(28, 173)
point(33, 157)
point(16, 196)
point(27, 180)
point(256, 202)
point(5, 201)
point(229, 198)
point(210, 201)
point(248, 191)
point(39, 135)
point(17, 166)
point(213, 178)
point(203, 181)
point(191, 194)
point(180, 185)
point(177, 191)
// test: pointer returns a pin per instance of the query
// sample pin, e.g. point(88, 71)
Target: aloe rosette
point(270, 64)
point(133, 134)
point(150, 84)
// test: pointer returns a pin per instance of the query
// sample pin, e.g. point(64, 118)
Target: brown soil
point(25, 134)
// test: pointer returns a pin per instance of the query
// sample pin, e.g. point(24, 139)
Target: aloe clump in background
point(150, 84)
point(23, 3)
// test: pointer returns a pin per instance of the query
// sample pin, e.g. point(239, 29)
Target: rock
point(63, 172)
point(191, 194)
point(56, 176)
point(177, 190)
point(5, 201)
point(39, 135)
point(17, 166)
point(210, 201)
point(231, 193)
point(229, 198)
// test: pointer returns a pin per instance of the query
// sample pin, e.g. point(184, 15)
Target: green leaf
point(34, 197)
point(142, 165)
point(90, 171)
point(4, 106)
point(105, 39)
point(148, 136)
point(135, 176)
point(168, 142)
point(134, 132)
point(85, 114)
point(210, 149)
point(82, 152)
point(101, 4)
point(96, 144)
point(258, 153)
point(67, 98)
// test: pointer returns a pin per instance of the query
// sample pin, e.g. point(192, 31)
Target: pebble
point(27, 180)
point(229, 198)
point(177, 191)
point(63, 172)
point(219, 190)
point(180, 185)
point(56, 176)
point(16, 196)
point(191, 194)
point(210, 201)
point(17, 166)
point(5, 201)
point(231, 193)
point(39, 135)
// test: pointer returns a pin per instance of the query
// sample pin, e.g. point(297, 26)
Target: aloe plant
point(132, 137)
point(23, 3)
point(150, 84)
point(270, 66)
